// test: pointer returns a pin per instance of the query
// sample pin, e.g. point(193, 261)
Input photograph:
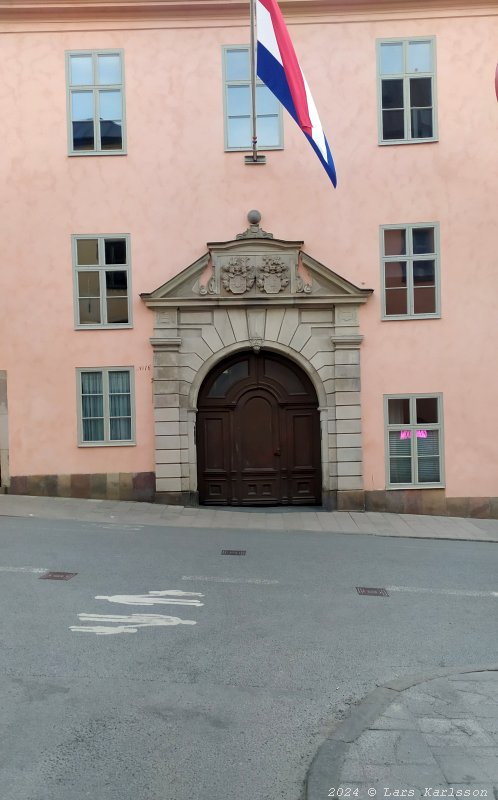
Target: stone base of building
point(430, 501)
point(110, 486)
point(141, 486)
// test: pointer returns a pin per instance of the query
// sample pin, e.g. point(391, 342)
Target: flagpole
point(254, 158)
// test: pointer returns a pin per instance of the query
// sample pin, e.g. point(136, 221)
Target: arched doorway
point(258, 434)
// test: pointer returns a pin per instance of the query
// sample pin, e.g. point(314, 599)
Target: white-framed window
point(407, 90)
point(238, 106)
point(101, 266)
point(96, 112)
point(106, 406)
point(414, 426)
point(410, 271)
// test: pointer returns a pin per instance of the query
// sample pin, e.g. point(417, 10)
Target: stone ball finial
point(254, 217)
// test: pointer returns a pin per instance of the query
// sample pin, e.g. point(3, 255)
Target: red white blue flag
point(278, 67)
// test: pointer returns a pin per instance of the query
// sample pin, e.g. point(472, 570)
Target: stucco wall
point(177, 189)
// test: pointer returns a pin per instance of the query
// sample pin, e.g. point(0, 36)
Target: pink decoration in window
point(408, 434)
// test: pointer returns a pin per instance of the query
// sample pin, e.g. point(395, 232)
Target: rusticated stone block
point(42, 485)
point(125, 486)
point(80, 486)
point(493, 507)
point(144, 486)
point(63, 486)
point(351, 500)
point(457, 506)
point(413, 502)
point(479, 507)
point(113, 485)
point(98, 486)
point(18, 484)
point(434, 502)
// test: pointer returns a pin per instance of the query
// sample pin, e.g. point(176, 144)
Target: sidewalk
point(428, 736)
point(275, 519)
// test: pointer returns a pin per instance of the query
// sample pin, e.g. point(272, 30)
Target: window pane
point(396, 302)
point(400, 443)
point(88, 284)
point(111, 136)
point(428, 470)
point(237, 65)
point(420, 92)
point(119, 405)
point(423, 240)
point(92, 405)
point(93, 430)
point(91, 383)
point(395, 242)
point(393, 125)
point(266, 102)
point(400, 470)
point(238, 101)
point(119, 382)
point(87, 252)
point(116, 283)
point(228, 378)
point(89, 311)
point(115, 251)
point(395, 274)
point(268, 132)
point(239, 132)
point(120, 430)
point(424, 273)
point(117, 311)
point(81, 70)
point(424, 300)
point(392, 94)
point(420, 57)
point(391, 58)
point(427, 411)
point(82, 121)
point(81, 106)
point(421, 121)
point(399, 411)
point(109, 69)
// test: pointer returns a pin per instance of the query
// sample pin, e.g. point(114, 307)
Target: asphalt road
point(234, 706)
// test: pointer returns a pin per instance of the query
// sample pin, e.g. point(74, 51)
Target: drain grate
point(233, 552)
point(57, 576)
point(372, 591)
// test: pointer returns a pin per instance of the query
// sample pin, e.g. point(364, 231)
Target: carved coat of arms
point(238, 275)
point(272, 275)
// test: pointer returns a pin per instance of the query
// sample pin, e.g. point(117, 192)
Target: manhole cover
point(371, 591)
point(233, 552)
point(58, 576)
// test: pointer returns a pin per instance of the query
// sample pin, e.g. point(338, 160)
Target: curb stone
point(325, 769)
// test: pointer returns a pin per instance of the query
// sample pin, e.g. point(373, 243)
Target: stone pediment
point(255, 269)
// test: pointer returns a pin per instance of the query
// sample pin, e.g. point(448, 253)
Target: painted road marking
point(453, 592)
point(169, 597)
point(227, 580)
point(126, 624)
point(34, 570)
point(120, 623)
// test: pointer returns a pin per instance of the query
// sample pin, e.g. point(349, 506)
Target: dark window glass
point(83, 136)
point(424, 273)
point(284, 375)
point(399, 411)
point(420, 92)
point(115, 251)
point(228, 378)
point(424, 300)
point(393, 125)
point(395, 242)
point(427, 410)
point(396, 302)
point(423, 240)
point(395, 274)
point(392, 94)
point(422, 127)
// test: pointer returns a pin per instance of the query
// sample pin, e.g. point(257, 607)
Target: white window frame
point(101, 268)
point(226, 84)
point(406, 75)
point(95, 88)
point(410, 257)
point(107, 441)
point(412, 427)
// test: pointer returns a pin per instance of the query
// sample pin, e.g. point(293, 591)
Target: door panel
point(258, 439)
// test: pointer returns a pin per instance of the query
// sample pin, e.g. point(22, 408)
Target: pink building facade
point(336, 348)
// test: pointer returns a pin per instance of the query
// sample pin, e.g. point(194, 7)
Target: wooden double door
point(258, 434)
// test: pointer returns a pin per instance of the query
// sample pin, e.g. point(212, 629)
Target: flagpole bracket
point(260, 159)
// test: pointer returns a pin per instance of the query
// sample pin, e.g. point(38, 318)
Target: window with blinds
point(414, 432)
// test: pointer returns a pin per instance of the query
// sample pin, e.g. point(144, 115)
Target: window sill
point(248, 150)
point(98, 153)
point(397, 317)
point(388, 142)
point(107, 444)
point(390, 488)
point(124, 326)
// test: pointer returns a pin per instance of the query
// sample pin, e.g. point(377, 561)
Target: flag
point(279, 69)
